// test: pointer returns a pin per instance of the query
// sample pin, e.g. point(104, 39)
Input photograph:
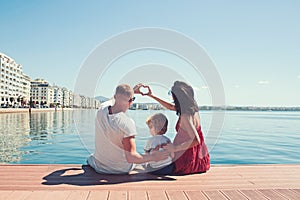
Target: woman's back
point(195, 159)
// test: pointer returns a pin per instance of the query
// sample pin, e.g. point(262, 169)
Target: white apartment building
point(81, 101)
point(13, 83)
point(41, 93)
point(18, 90)
point(67, 98)
point(93, 103)
point(57, 95)
point(96, 103)
point(26, 86)
point(76, 100)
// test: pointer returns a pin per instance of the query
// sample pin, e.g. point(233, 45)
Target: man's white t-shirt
point(151, 144)
point(110, 130)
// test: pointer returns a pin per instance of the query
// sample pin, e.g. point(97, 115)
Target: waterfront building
point(134, 106)
point(97, 103)
point(143, 106)
point(57, 96)
point(67, 98)
point(92, 103)
point(41, 93)
point(13, 83)
point(81, 101)
point(25, 92)
point(76, 101)
point(18, 90)
point(88, 102)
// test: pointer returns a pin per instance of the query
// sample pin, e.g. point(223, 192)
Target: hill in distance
point(101, 98)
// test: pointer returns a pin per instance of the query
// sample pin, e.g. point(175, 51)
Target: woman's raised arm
point(164, 103)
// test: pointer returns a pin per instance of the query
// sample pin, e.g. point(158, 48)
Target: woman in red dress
point(191, 153)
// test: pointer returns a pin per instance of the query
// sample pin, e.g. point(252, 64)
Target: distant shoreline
point(249, 108)
point(201, 108)
point(24, 110)
point(155, 106)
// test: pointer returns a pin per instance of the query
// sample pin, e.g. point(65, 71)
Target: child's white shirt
point(151, 144)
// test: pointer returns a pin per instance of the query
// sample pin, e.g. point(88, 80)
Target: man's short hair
point(124, 89)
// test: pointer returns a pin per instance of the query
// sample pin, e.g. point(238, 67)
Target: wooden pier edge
point(280, 181)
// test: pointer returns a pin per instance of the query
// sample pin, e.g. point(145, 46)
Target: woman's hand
point(142, 89)
point(137, 87)
point(170, 148)
point(146, 90)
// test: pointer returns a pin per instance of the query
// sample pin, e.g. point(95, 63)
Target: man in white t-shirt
point(115, 148)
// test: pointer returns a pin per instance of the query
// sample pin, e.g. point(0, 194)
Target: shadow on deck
point(86, 176)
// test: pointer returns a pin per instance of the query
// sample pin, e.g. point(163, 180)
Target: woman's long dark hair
point(183, 95)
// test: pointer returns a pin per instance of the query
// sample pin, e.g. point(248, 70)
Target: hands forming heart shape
point(144, 90)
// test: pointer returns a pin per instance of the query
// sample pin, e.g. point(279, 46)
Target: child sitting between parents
point(158, 124)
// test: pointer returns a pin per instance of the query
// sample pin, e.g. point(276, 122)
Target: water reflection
point(14, 134)
point(24, 135)
point(44, 124)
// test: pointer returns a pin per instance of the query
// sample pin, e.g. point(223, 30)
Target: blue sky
point(254, 44)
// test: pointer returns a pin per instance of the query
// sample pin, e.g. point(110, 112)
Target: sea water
point(67, 137)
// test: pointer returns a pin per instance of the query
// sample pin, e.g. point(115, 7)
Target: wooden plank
point(78, 195)
point(45, 195)
point(137, 195)
point(288, 194)
point(195, 195)
point(176, 195)
point(296, 190)
point(73, 177)
point(102, 181)
point(5, 194)
point(157, 195)
point(214, 194)
point(19, 195)
point(97, 195)
point(12, 166)
point(36, 195)
point(233, 194)
point(253, 194)
point(117, 195)
point(271, 194)
point(58, 195)
point(159, 186)
point(70, 182)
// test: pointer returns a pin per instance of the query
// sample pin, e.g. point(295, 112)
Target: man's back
point(110, 129)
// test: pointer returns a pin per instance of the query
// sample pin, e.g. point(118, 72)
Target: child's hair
point(160, 123)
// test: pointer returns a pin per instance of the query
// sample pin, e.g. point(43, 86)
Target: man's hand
point(159, 155)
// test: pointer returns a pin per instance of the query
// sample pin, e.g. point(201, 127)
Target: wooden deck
point(81, 182)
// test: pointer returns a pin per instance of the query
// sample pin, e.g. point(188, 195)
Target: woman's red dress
point(195, 159)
